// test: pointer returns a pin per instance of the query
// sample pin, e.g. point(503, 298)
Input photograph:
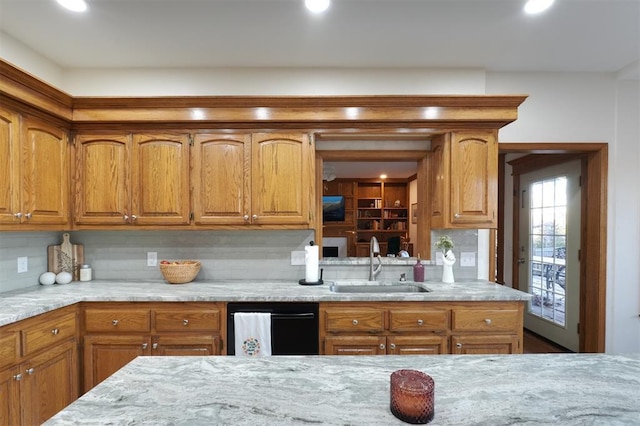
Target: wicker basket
point(180, 272)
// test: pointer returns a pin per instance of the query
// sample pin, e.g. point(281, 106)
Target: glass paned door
point(549, 242)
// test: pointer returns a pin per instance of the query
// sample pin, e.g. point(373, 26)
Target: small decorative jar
point(85, 273)
point(412, 396)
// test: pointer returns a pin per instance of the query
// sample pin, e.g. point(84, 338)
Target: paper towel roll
point(311, 259)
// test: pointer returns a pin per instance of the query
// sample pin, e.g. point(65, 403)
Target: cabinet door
point(418, 345)
point(186, 345)
point(280, 179)
point(45, 174)
point(160, 179)
point(10, 396)
point(474, 178)
point(355, 345)
point(104, 355)
point(49, 383)
point(489, 344)
point(102, 179)
point(9, 167)
point(438, 181)
point(220, 176)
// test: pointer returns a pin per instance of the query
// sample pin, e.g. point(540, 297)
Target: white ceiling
point(573, 36)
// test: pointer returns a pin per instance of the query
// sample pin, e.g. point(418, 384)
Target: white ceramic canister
point(85, 273)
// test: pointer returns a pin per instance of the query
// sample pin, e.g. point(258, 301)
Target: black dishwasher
point(294, 326)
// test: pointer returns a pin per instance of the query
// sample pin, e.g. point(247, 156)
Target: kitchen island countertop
point(549, 389)
point(22, 304)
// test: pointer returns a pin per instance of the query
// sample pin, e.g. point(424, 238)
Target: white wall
point(592, 108)
point(560, 108)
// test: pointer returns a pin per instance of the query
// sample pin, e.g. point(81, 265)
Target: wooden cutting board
point(66, 257)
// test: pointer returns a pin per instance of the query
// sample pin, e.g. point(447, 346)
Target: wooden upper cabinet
point(102, 179)
point(160, 179)
point(140, 179)
point(464, 180)
point(9, 167)
point(221, 179)
point(280, 179)
point(34, 172)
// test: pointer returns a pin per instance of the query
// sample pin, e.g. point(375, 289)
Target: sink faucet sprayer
point(374, 248)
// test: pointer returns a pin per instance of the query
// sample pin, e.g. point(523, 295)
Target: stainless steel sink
point(376, 287)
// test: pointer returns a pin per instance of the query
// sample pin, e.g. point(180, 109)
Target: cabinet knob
point(355, 322)
point(145, 345)
point(30, 371)
point(17, 377)
point(17, 215)
point(393, 346)
point(133, 217)
point(382, 346)
point(154, 346)
point(457, 215)
point(115, 322)
point(458, 345)
point(55, 331)
point(420, 322)
point(185, 322)
point(28, 215)
point(254, 217)
point(245, 217)
point(125, 217)
point(487, 321)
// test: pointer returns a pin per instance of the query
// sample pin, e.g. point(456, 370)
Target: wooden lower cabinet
point(421, 328)
point(116, 333)
point(38, 367)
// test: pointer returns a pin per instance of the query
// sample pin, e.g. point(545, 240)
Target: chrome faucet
point(374, 249)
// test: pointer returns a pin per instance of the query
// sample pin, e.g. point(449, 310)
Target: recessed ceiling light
point(317, 6)
point(383, 176)
point(537, 6)
point(73, 5)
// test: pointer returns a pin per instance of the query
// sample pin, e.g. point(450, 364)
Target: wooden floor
point(535, 344)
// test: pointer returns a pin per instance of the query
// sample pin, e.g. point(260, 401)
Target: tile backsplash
point(254, 254)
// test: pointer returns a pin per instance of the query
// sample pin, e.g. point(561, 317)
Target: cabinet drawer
point(354, 320)
point(485, 320)
point(109, 320)
point(8, 349)
point(435, 321)
point(48, 333)
point(187, 320)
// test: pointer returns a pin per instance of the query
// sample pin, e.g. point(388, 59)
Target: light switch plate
point(23, 264)
point(152, 258)
point(297, 258)
point(467, 258)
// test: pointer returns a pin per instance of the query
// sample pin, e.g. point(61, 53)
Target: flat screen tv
point(332, 208)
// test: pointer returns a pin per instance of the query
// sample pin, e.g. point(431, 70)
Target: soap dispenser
point(418, 271)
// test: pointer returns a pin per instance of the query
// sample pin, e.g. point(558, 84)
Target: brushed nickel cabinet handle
point(420, 322)
point(382, 346)
point(30, 371)
point(115, 322)
point(392, 346)
point(133, 217)
point(355, 322)
point(154, 346)
point(185, 322)
point(487, 321)
point(28, 215)
point(245, 217)
point(145, 345)
point(17, 377)
point(17, 215)
point(458, 345)
point(125, 217)
point(55, 331)
point(254, 217)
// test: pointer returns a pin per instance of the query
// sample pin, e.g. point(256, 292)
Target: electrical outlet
point(297, 258)
point(467, 258)
point(152, 258)
point(23, 264)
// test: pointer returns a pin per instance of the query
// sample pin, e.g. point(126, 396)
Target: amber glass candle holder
point(412, 396)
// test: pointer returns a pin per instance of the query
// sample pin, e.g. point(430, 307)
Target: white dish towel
point(252, 332)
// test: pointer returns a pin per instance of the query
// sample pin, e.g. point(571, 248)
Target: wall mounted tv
point(332, 208)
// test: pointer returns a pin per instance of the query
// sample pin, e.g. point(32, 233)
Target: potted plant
point(445, 245)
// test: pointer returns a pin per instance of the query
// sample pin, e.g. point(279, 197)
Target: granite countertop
point(549, 389)
point(18, 305)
